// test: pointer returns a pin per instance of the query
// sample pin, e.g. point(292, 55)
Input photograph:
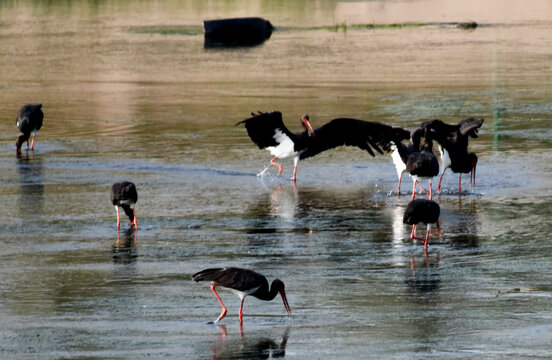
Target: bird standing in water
point(29, 120)
point(423, 165)
point(242, 282)
point(453, 145)
point(125, 196)
point(422, 211)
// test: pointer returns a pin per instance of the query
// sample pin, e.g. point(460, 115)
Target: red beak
point(284, 299)
point(305, 120)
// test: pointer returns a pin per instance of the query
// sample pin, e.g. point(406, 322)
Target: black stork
point(453, 145)
point(125, 196)
point(423, 165)
point(29, 120)
point(243, 282)
point(267, 130)
point(416, 158)
point(422, 211)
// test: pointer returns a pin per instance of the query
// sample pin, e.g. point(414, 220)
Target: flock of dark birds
point(412, 152)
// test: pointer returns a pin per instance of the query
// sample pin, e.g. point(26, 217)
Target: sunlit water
point(122, 101)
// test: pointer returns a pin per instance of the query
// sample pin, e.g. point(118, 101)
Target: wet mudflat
point(159, 110)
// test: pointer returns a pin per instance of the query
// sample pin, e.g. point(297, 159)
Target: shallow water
point(124, 102)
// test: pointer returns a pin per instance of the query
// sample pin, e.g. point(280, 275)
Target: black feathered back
point(421, 211)
point(234, 278)
point(122, 192)
point(30, 118)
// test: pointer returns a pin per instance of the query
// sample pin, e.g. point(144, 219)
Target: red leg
point(223, 313)
point(240, 314)
point(280, 168)
point(460, 183)
point(32, 143)
point(426, 238)
point(440, 179)
point(294, 173)
point(118, 218)
point(414, 189)
point(399, 189)
point(438, 228)
point(430, 190)
point(421, 187)
point(412, 234)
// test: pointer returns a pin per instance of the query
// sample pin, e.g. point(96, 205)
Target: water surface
point(125, 102)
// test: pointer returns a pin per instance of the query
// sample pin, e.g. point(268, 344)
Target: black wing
point(445, 134)
point(470, 126)
point(365, 135)
point(262, 127)
point(235, 278)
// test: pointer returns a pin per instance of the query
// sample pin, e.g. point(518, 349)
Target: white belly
point(445, 159)
point(243, 294)
point(285, 146)
point(400, 166)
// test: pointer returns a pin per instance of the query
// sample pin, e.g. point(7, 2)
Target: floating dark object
point(248, 31)
point(467, 25)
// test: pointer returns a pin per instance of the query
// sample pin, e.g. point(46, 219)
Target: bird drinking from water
point(29, 120)
point(125, 196)
point(242, 282)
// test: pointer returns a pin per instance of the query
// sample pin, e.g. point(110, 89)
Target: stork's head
point(19, 142)
point(306, 124)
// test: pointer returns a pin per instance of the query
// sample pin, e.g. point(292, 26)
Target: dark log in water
point(236, 31)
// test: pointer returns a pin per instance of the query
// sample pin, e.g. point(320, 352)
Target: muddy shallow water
point(123, 100)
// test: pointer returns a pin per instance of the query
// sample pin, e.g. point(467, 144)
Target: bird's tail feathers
point(206, 275)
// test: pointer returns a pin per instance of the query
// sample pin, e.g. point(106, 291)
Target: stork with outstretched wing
point(268, 131)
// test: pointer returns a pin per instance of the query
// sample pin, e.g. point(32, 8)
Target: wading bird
point(422, 211)
point(453, 145)
point(29, 120)
point(423, 165)
point(417, 158)
point(267, 130)
point(243, 282)
point(125, 196)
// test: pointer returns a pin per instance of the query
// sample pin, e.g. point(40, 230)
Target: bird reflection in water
point(275, 212)
point(31, 199)
point(245, 347)
point(283, 204)
point(472, 207)
point(463, 228)
point(424, 274)
point(124, 250)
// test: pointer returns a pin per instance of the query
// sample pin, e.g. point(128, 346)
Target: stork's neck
point(265, 294)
